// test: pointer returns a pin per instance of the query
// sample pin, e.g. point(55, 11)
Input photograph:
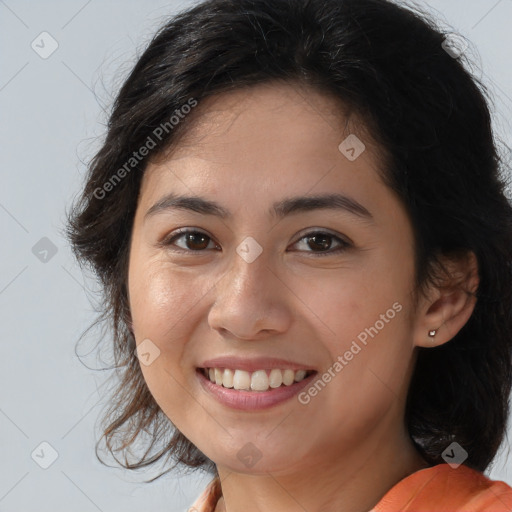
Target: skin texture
point(349, 445)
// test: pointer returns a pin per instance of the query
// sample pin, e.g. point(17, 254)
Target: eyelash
point(179, 233)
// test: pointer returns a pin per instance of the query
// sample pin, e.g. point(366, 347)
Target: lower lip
point(252, 400)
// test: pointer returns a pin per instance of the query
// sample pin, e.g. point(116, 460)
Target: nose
point(251, 301)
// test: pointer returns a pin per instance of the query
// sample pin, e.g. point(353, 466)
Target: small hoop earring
point(432, 333)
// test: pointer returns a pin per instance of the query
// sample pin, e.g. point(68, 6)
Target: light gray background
point(51, 116)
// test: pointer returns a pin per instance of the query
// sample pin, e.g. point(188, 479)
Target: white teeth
point(275, 378)
point(227, 378)
point(241, 380)
point(288, 377)
point(259, 380)
point(299, 375)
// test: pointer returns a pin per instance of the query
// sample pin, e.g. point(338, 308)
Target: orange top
point(436, 489)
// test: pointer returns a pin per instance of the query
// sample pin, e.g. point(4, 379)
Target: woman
point(300, 225)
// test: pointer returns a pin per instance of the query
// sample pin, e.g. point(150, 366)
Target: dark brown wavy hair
point(423, 107)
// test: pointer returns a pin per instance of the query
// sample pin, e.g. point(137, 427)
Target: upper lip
point(252, 364)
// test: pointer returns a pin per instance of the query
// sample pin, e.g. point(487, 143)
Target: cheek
point(357, 301)
point(368, 316)
point(370, 363)
point(162, 305)
point(163, 299)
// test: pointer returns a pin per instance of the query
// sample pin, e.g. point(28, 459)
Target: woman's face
point(270, 280)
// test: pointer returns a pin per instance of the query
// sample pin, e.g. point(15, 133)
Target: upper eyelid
point(326, 231)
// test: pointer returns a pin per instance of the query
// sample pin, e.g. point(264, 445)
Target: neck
point(352, 481)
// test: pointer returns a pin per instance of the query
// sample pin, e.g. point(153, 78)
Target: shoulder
point(444, 489)
point(208, 499)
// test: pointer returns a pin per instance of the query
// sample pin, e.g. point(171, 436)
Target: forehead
point(254, 114)
point(274, 137)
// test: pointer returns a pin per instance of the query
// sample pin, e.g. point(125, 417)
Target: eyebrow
point(280, 209)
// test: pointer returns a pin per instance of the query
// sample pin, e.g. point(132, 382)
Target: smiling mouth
point(259, 380)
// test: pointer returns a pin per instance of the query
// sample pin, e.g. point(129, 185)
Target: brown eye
point(193, 240)
point(320, 243)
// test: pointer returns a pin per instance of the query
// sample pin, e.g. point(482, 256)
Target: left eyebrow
point(279, 209)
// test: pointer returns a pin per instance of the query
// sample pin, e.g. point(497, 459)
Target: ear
point(447, 306)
